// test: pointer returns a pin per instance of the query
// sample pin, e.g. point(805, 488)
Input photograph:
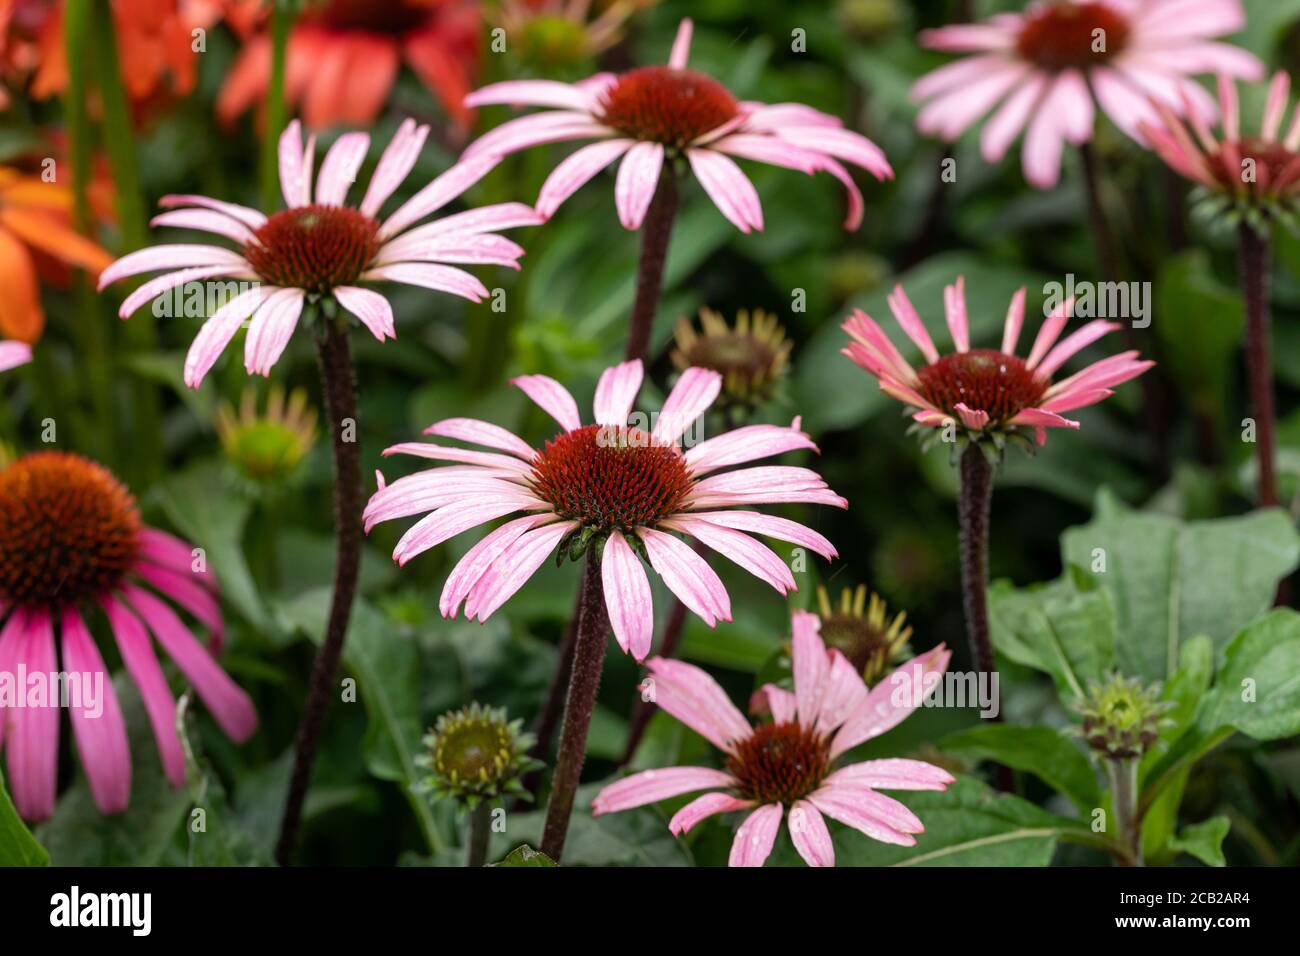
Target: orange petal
point(46, 233)
point(21, 317)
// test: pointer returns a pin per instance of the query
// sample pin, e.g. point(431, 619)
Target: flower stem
point(1255, 258)
point(276, 111)
point(973, 518)
point(480, 828)
point(1128, 823)
point(341, 414)
point(588, 661)
point(655, 233)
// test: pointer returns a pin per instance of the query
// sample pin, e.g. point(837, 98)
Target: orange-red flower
point(343, 58)
point(36, 240)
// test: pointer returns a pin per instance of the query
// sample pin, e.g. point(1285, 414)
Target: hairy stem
point(480, 828)
point(1128, 822)
point(341, 410)
point(973, 519)
point(655, 233)
point(1255, 259)
point(588, 661)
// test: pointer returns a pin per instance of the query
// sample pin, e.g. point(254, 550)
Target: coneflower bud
point(860, 626)
point(267, 448)
point(476, 754)
point(750, 356)
point(1122, 718)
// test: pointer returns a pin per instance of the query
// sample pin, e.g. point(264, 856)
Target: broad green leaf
point(1045, 752)
point(968, 825)
point(1257, 691)
point(524, 855)
point(17, 845)
point(1056, 629)
point(1204, 840)
point(1172, 580)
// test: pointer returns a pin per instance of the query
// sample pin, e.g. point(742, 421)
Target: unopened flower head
point(988, 395)
point(476, 753)
point(860, 627)
point(266, 448)
point(1122, 718)
point(751, 356)
point(559, 36)
point(785, 768)
point(72, 544)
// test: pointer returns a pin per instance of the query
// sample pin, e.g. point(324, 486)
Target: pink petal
point(231, 707)
point(471, 568)
point(687, 575)
point(756, 836)
point(1050, 332)
point(651, 786)
point(190, 590)
point(681, 51)
point(13, 643)
point(728, 187)
point(163, 283)
point(1075, 342)
point(627, 597)
point(954, 308)
point(1043, 419)
point(295, 173)
point(536, 129)
point(842, 693)
point(894, 773)
point(875, 352)
point(395, 165)
point(513, 568)
point(249, 217)
point(435, 277)
point(270, 330)
point(178, 256)
point(810, 664)
point(972, 418)
point(744, 444)
point(1015, 320)
point(370, 307)
point(482, 433)
point(951, 113)
point(1041, 154)
point(219, 329)
point(553, 398)
point(693, 697)
point(861, 811)
point(205, 220)
point(703, 807)
point(32, 746)
point(532, 93)
point(1006, 123)
point(438, 193)
point(783, 529)
point(891, 701)
point(616, 393)
point(756, 558)
point(101, 738)
point(911, 323)
point(690, 398)
point(487, 459)
point(811, 837)
point(339, 169)
point(576, 171)
point(777, 701)
point(842, 144)
point(14, 354)
point(142, 665)
point(637, 180)
point(433, 529)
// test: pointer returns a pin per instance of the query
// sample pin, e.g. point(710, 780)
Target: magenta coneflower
point(1250, 181)
point(989, 392)
point(980, 398)
point(71, 541)
point(609, 488)
point(1048, 66)
point(320, 248)
point(14, 354)
point(655, 113)
point(785, 768)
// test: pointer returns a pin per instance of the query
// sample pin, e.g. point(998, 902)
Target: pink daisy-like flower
point(71, 541)
point(608, 485)
point(989, 390)
point(786, 768)
point(1047, 66)
point(14, 354)
point(650, 115)
point(1242, 170)
point(319, 247)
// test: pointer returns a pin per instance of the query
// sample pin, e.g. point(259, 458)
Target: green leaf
point(1200, 327)
point(1056, 629)
point(1045, 752)
point(968, 825)
point(1204, 840)
point(524, 855)
point(388, 670)
point(1172, 580)
point(1257, 691)
point(17, 845)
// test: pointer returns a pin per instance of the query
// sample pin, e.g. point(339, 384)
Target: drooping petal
point(32, 738)
point(430, 276)
point(811, 837)
point(756, 836)
point(163, 283)
point(862, 811)
point(190, 589)
point(703, 807)
point(219, 329)
point(479, 558)
point(178, 256)
point(892, 700)
point(445, 523)
point(270, 330)
point(370, 307)
point(576, 171)
point(627, 597)
point(688, 576)
point(756, 558)
point(692, 696)
point(893, 773)
point(728, 187)
point(513, 568)
point(100, 732)
point(745, 444)
point(772, 526)
point(651, 786)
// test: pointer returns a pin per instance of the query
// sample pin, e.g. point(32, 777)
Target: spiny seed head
point(1069, 35)
point(985, 380)
point(610, 477)
point(69, 530)
point(660, 104)
point(861, 628)
point(1122, 718)
point(267, 448)
point(476, 753)
point(314, 248)
point(780, 763)
point(751, 356)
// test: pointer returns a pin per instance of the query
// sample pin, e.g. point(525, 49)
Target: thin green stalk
point(276, 110)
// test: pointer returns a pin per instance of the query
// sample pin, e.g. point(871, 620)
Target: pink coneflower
point(1251, 182)
point(1049, 65)
point(607, 486)
point(989, 391)
point(786, 768)
point(71, 541)
point(320, 248)
point(14, 354)
point(656, 113)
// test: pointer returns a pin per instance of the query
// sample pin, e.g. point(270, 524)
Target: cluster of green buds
point(476, 754)
point(1122, 719)
point(861, 628)
point(751, 355)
